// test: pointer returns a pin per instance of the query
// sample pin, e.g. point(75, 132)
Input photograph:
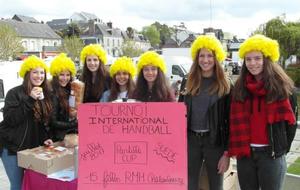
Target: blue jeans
point(13, 171)
point(199, 151)
point(260, 171)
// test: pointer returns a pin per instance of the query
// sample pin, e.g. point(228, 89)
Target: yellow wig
point(208, 42)
point(151, 58)
point(32, 62)
point(268, 47)
point(93, 49)
point(61, 63)
point(123, 64)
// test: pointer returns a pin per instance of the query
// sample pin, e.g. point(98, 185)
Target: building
point(58, 24)
point(35, 37)
point(103, 33)
point(22, 18)
point(139, 39)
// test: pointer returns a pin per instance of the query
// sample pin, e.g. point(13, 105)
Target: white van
point(177, 67)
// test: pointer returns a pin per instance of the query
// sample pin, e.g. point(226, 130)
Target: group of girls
point(253, 120)
point(37, 112)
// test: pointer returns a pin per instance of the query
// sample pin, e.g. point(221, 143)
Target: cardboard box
point(46, 160)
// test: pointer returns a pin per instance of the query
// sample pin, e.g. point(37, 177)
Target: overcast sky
point(239, 17)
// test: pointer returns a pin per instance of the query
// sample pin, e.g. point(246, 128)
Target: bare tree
point(72, 47)
point(10, 43)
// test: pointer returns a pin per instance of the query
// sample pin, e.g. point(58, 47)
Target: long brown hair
point(62, 93)
point(94, 89)
point(42, 108)
point(115, 88)
point(221, 85)
point(277, 83)
point(161, 90)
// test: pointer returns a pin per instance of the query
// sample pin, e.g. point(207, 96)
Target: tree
point(72, 46)
point(152, 34)
point(130, 32)
point(131, 49)
point(10, 43)
point(72, 30)
point(164, 31)
point(286, 33)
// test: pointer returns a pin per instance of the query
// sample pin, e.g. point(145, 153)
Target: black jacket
point(281, 135)
point(60, 122)
point(18, 129)
point(218, 117)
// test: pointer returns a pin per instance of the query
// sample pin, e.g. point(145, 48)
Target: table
point(36, 181)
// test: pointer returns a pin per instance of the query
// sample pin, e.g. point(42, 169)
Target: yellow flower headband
point(93, 49)
point(61, 63)
point(151, 58)
point(267, 46)
point(123, 64)
point(32, 62)
point(208, 42)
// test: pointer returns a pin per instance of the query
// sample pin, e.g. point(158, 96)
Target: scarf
point(280, 110)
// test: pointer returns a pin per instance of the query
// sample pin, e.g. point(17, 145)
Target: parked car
point(236, 68)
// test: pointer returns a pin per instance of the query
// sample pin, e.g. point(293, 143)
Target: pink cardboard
point(132, 146)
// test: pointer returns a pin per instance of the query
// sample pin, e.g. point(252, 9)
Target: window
point(176, 70)
point(24, 44)
point(32, 45)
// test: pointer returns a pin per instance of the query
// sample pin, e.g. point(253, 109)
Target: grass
point(294, 168)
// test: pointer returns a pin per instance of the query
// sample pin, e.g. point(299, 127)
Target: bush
point(294, 72)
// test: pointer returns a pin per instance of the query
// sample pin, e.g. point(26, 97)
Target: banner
point(132, 146)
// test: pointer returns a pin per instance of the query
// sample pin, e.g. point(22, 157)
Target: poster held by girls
point(132, 146)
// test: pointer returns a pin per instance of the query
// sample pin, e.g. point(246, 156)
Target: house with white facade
point(103, 33)
point(37, 39)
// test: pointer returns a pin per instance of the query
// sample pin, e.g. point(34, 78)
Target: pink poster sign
point(132, 146)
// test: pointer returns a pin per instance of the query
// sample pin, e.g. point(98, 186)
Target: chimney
point(91, 27)
point(109, 30)
point(109, 24)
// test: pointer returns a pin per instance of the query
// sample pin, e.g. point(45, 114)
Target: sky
point(239, 17)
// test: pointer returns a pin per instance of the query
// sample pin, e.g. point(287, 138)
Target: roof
point(105, 31)
point(24, 19)
point(89, 16)
point(32, 30)
point(58, 24)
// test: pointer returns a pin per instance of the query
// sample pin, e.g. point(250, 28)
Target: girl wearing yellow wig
point(95, 76)
point(206, 96)
point(263, 116)
point(63, 70)
point(152, 84)
point(26, 117)
point(122, 72)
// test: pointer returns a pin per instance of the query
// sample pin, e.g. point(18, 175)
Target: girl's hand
point(48, 142)
point(36, 92)
point(223, 164)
